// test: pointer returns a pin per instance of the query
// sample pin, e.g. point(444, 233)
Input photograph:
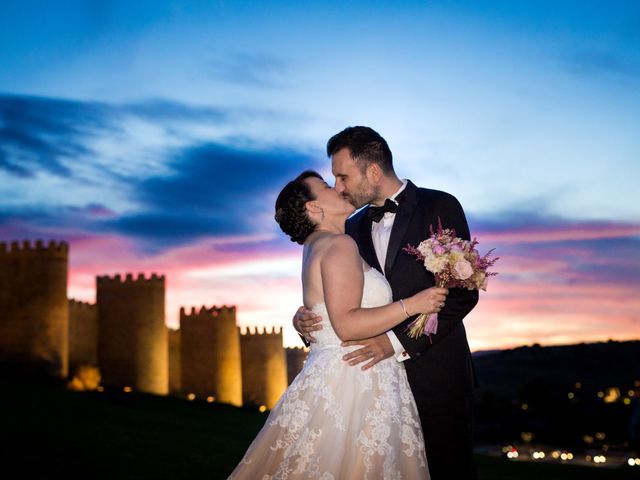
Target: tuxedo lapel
point(406, 208)
point(367, 249)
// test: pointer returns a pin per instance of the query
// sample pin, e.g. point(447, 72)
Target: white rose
point(463, 269)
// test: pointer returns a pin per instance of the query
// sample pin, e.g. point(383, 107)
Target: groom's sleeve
point(459, 301)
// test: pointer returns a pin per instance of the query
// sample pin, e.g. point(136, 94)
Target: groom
point(398, 213)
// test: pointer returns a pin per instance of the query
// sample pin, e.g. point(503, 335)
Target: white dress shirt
point(380, 233)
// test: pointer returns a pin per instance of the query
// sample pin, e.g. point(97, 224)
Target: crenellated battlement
point(261, 330)
point(213, 311)
point(117, 280)
point(297, 348)
point(78, 304)
point(26, 247)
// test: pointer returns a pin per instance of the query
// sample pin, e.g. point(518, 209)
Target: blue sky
point(171, 126)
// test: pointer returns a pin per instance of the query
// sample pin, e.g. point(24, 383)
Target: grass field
point(50, 432)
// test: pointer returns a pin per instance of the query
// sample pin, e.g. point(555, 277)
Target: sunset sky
point(153, 136)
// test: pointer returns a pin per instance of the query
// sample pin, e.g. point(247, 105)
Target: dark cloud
point(53, 135)
point(40, 134)
point(213, 190)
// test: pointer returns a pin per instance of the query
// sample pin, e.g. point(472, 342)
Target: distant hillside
point(594, 365)
point(563, 395)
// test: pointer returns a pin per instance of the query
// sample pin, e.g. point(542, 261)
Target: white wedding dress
point(337, 422)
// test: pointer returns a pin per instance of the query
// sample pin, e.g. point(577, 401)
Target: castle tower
point(83, 334)
point(133, 346)
point(264, 367)
point(34, 312)
point(175, 362)
point(210, 353)
point(296, 357)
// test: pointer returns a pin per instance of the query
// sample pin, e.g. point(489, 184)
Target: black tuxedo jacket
point(440, 371)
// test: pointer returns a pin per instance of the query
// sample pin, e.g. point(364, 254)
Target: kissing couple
point(371, 402)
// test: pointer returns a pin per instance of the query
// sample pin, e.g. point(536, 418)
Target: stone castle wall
point(264, 367)
point(296, 356)
point(83, 334)
point(210, 354)
point(133, 347)
point(34, 311)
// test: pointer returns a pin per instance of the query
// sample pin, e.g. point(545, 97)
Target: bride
point(337, 422)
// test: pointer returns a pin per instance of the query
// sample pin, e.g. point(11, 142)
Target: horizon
point(155, 138)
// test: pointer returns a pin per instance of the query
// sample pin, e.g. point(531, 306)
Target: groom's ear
point(374, 173)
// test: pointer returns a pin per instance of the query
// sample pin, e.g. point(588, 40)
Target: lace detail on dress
point(336, 421)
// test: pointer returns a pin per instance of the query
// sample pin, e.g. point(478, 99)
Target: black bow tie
point(376, 213)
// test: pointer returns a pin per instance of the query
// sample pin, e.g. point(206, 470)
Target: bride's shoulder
point(342, 241)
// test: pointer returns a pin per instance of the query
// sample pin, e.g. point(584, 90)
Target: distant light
point(527, 436)
point(512, 454)
point(570, 456)
point(636, 383)
point(631, 393)
point(100, 389)
point(507, 448)
point(588, 439)
point(600, 394)
point(211, 399)
point(570, 395)
point(538, 455)
point(555, 454)
point(563, 456)
point(600, 435)
point(524, 406)
point(578, 385)
point(613, 395)
point(631, 462)
point(262, 409)
point(627, 401)
point(127, 389)
point(599, 459)
point(588, 458)
point(191, 396)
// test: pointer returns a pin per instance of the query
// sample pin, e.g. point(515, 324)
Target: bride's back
point(312, 254)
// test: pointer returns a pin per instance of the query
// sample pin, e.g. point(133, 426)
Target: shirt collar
point(400, 190)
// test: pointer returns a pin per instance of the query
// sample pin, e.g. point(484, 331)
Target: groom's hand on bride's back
point(305, 322)
point(373, 350)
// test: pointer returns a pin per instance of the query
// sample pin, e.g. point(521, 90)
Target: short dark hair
point(291, 212)
point(365, 145)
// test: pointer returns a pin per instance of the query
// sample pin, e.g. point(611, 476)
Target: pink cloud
point(555, 233)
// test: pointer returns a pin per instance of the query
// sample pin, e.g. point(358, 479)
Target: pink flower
point(463, 269)
point(438, 250)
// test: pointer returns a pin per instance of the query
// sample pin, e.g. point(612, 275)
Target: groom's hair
point(366, 146)
point(291, 210)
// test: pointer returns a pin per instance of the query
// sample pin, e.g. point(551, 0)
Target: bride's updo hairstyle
point(291, 213)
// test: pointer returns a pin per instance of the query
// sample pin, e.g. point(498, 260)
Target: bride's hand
point(430, 300)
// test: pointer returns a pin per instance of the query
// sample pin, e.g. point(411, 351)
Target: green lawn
point(49, 432)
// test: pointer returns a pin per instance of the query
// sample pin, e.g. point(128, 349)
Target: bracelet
point(404, 308)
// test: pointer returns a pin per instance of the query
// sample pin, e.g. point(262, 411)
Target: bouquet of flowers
point(455, 263)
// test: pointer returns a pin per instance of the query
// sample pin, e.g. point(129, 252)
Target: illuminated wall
point(133, 345)
point(83, 334)
point(296, 357)
point(210, 354)
point(34, 311)
point(264, 367)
